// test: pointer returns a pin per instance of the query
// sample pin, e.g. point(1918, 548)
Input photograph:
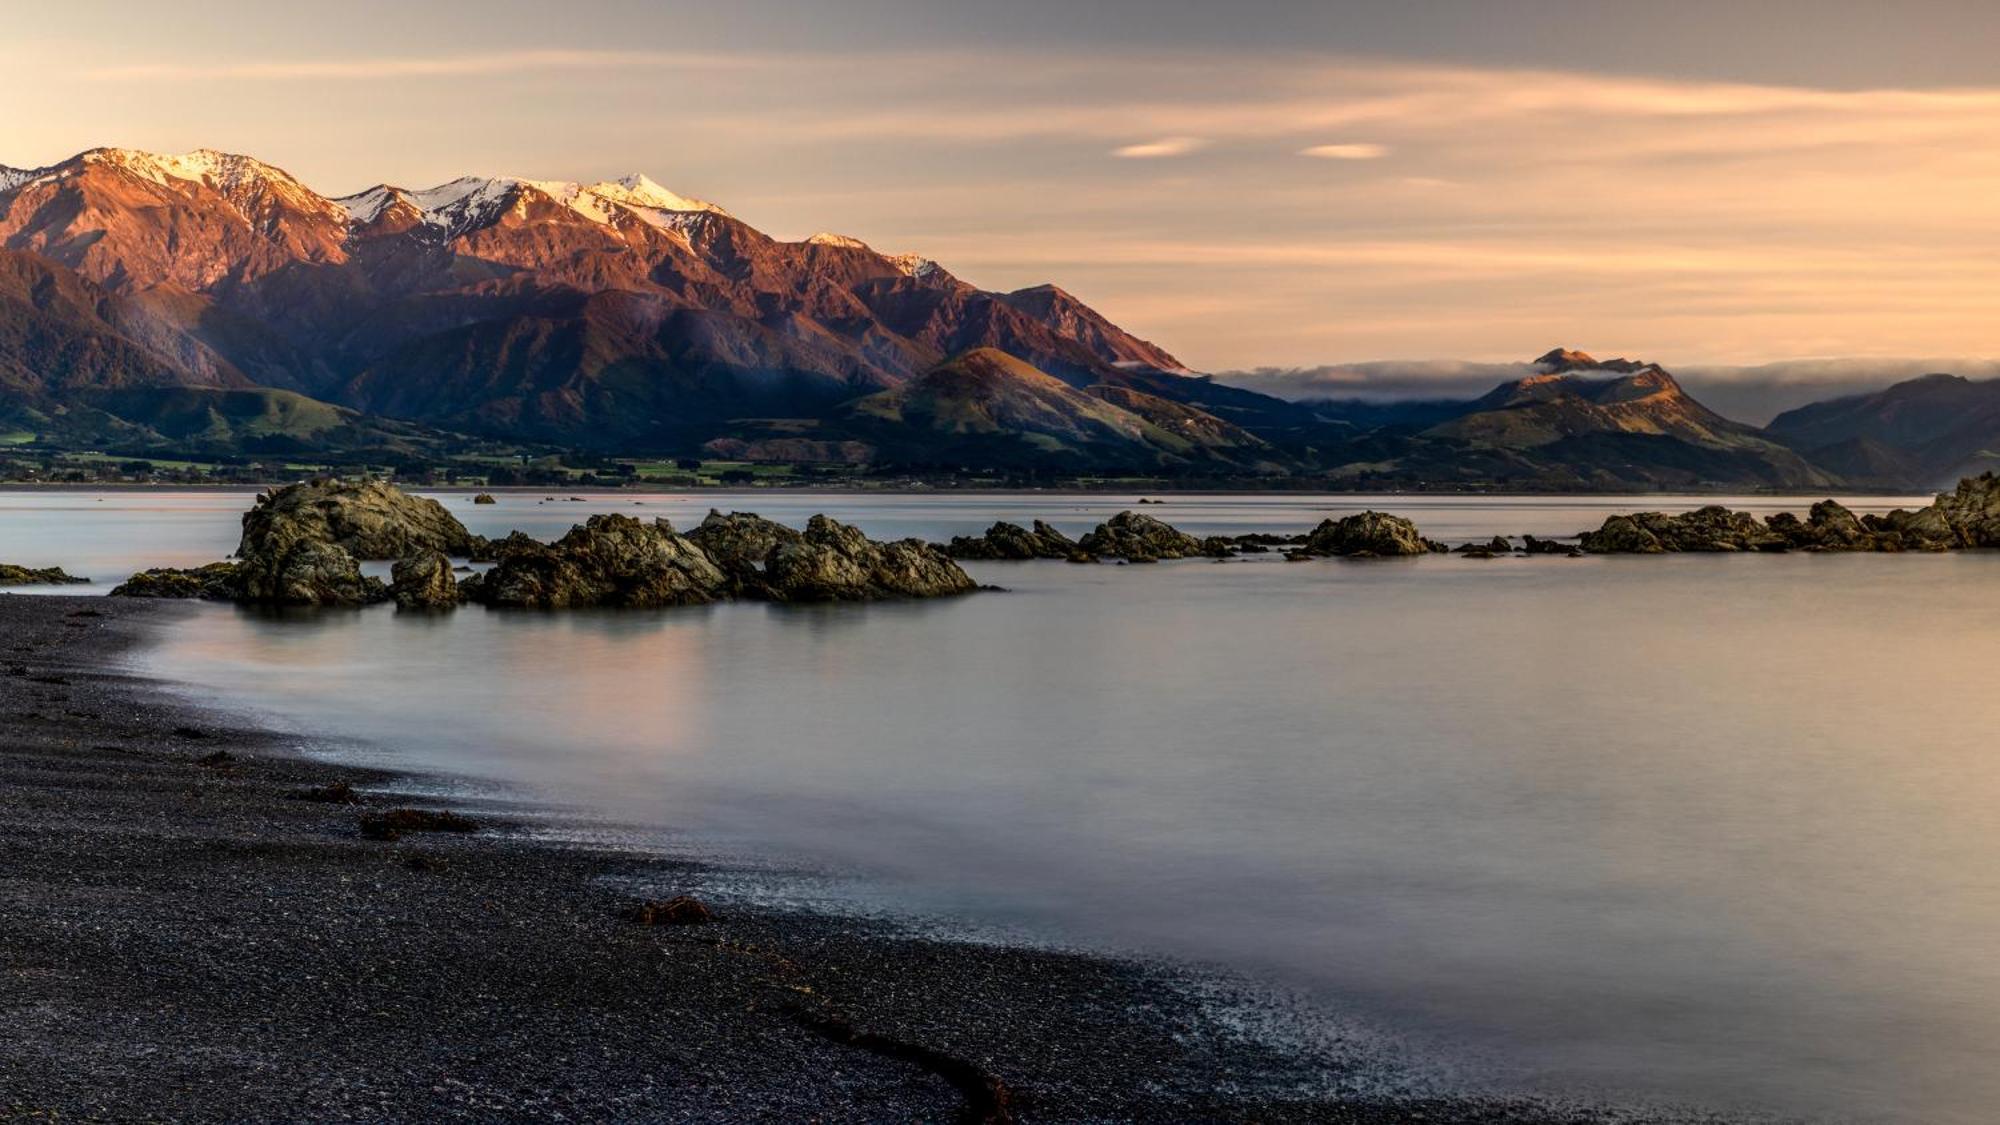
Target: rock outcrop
point(484, 498)
point(739, 542)
point(304, 572)
point(1972, 511)
point(1010, 541)
point(1368, 534)
point(834, 562)
point(1141, 538)
point(1710, 528)
point(11, 575)
point(215, 582)
point(424, 581)
point(610, 560)
point(1967, 517)
point(367, 519)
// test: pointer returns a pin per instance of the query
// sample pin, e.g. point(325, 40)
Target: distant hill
point(1923, 432)
point(987, 407)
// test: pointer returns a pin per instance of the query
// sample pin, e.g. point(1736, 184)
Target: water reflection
point(1715, 829)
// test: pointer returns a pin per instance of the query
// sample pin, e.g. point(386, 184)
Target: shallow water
point(1706, 829)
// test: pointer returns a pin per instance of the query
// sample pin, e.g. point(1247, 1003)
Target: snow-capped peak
point(637, 190)
point(471, 201)
point(915, 265)
point(11, 178)
point(828, 238)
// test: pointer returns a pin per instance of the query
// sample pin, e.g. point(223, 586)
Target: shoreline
point(189, 941)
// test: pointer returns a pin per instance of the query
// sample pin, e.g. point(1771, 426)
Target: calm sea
point(1707, 829)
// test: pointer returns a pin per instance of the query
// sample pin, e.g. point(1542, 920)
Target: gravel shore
point(184, 937)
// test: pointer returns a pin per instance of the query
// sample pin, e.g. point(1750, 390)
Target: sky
point(1305, 185)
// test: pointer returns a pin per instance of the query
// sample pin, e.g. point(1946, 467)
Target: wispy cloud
point(1165, 146)
point(411, 66)
point(1352, 151)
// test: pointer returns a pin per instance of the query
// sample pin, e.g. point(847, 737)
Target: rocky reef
point(11, 575)
point(835, 562)
point(1967, 517)
point(215, 582)
point(1141, 538)
point(1366, 535)
point(302, 545)
point(609, 560)
point(1011, 541)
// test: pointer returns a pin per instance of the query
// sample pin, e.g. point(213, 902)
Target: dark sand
point(181, 938)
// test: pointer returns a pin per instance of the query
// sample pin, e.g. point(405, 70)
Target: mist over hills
point(212, 302)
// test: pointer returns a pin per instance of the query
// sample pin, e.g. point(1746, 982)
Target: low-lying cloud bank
point(1753, 394)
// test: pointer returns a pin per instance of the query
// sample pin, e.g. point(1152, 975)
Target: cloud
point(410, 66)
point(1380, 380)
point(1165, 146)
point(1360, 151)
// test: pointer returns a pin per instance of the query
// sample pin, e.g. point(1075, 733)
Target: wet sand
point(183, 938)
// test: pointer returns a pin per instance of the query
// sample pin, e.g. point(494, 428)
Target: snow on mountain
point(11, 178)
point(637, 190)
point(827, 238)
point(915, 265)
point(472, 201)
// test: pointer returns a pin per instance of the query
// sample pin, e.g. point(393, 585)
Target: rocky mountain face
point(1922, 432)
point(213, 299)
point(616, 315)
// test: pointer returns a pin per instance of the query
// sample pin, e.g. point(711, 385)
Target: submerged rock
point(484, 498)
point(609, 560)
point(215, 582)
point(1140, 538)
point(424, 581)
point(11, 575)
point(1368, 534)
point(834, 562)
point(1012, 541)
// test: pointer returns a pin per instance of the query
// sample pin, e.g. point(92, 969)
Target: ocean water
point(1713, 830)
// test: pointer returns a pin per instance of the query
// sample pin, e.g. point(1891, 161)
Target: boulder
point(609, 560)
point(11, 575)
point(739, 542)
point(1367, 535)
point(1621, 535)
point(367, 519)
point(1492, 548)
point(424, 581)
point(834, 562)
point(484, 498)
point(306, 572)
point(215, 582)
point(1012, 541)
point(1140, 538)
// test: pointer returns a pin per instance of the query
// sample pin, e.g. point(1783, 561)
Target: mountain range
point(211, 301)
